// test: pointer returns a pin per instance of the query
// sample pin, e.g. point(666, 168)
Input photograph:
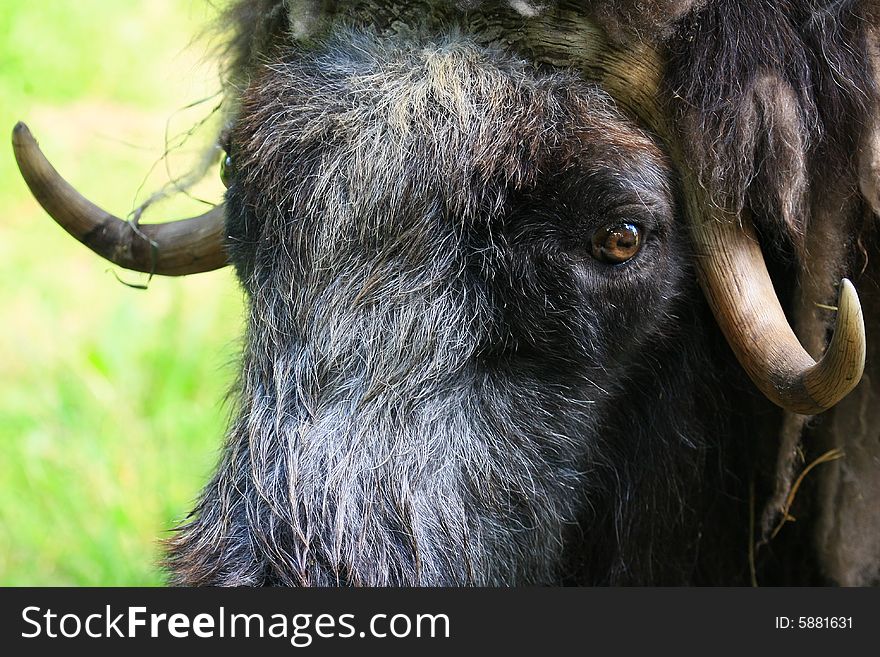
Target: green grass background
point(111, 398)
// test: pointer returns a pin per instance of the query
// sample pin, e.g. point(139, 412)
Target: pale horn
point(188, 246)
point(739, 290)
point(730, 264)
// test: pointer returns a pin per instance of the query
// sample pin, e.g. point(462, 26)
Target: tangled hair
point(759, 89)
point(757, 86)
point(438, 387)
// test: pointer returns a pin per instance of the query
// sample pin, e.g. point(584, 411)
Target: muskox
point(535, 292)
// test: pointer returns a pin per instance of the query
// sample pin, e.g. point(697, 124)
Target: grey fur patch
point(398, 420)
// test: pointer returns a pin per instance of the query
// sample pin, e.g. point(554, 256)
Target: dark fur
point(440, 385)
point(772, 97)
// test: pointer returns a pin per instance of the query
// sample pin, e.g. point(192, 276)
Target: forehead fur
point(527, 8)
point(445, 117)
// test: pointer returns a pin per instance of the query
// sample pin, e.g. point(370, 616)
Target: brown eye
point(226, 170)
point(617, 243)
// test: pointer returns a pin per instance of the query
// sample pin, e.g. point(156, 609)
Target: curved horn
point(189, 246)
point(731, 266)
point(739, 290)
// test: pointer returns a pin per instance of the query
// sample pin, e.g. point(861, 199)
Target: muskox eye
point(226, 169)
point(617, 243)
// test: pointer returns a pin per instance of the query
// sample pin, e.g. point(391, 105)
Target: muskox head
point(476, 351)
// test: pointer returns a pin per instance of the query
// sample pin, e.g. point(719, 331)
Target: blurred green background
point(111, 398)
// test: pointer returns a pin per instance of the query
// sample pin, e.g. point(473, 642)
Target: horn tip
point(20, 129)
point(852, 325)
point(848, 299)
point(21, 134)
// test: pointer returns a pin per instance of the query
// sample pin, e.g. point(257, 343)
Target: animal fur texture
point(440, 384)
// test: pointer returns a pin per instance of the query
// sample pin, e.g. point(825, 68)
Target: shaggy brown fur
point(399, 178)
